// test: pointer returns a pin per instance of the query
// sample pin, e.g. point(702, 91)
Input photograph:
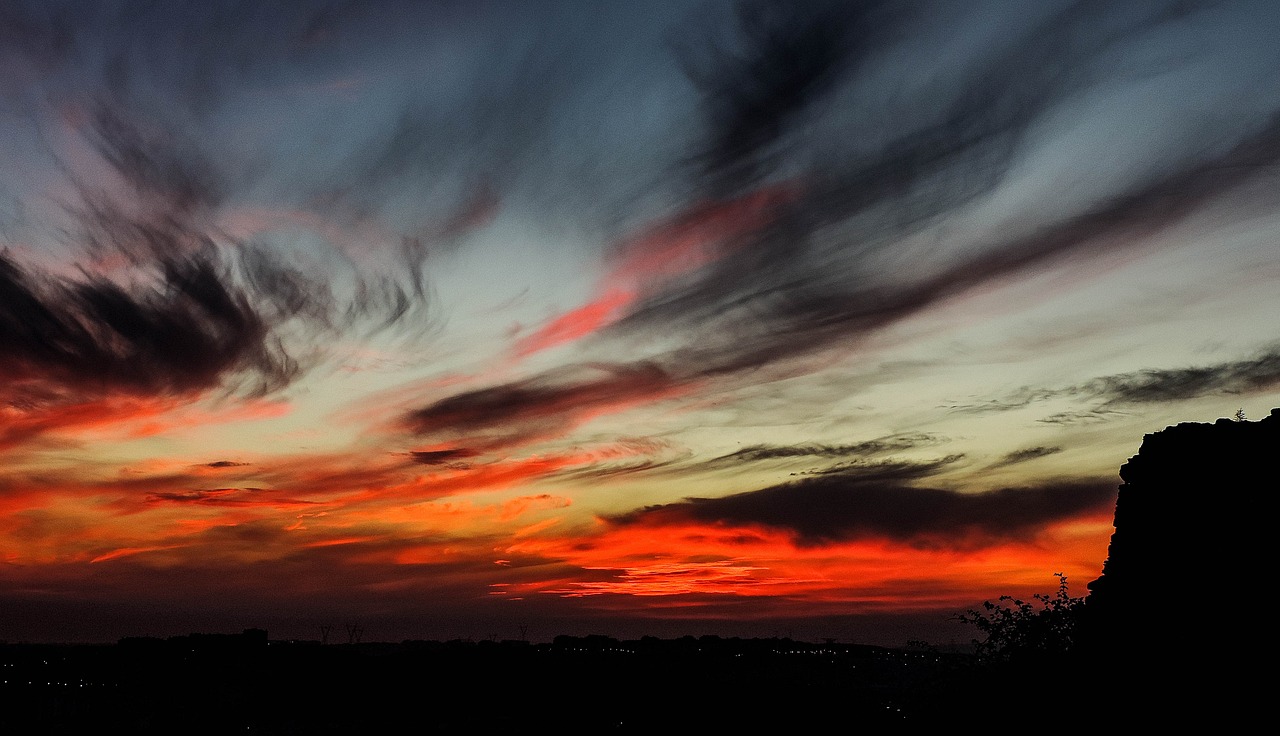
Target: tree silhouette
point(1015, 630)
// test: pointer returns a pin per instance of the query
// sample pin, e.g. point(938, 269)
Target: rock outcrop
point(1182, 604)
point(1192, 523)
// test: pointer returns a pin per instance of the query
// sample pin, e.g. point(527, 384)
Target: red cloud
point(701, 235)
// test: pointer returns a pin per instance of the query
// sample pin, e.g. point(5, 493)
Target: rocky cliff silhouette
point(1182, 606)
point(1192, 522)
point(1176, 631)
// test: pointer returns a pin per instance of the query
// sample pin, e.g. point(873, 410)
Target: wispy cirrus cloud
point(166, 305)
point(823, 271)
point(244, 497)
point(1024, 455)
point(185, 333)
point(866, 448)
point(817, 274)
point(1156, 385)
point(673, 248)
point(1114, 394)
point(629, 456)
point(547, 404)
point(887, 470)
point(441, 457)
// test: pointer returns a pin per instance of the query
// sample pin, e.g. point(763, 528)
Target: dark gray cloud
point(232, 497)
point(1113, 393)
point(428, 116)
point(622, 468)
point(1081, 417)
point(887, 470)
point(1259, 373)
point(1023, 397)
point(210, 496)
point(190, 329)
point(868, 448)
point(549, 402)
point(785, 59)
point(39, 35)
point(1025, 455)
point(442, 457)
point(174, 192)
point(840, 508)
point(225, 464)
point(197, 310)
point(158, 165)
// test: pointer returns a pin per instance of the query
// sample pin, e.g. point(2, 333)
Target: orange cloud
point(695, 566)
point(121, 417)
point(577, 323)
point(695, 238)
point(129, 551)
point(702, 234)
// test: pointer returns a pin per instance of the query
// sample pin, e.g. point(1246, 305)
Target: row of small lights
point(82, 683)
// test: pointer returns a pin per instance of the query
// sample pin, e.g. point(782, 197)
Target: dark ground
point(243, 684)
point(230, 684)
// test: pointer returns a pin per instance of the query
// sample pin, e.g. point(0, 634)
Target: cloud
point(757, 323)
point(830, 268)
point(127, 106)
point(1115, 393)
point(1252, 375)
point(670, 249)
point(248, 497)
point(1023, 397)
point(790, 99)
point(887, 470)
point(442, 457)
point(877, 446)
point(614, 469)
point(548, 403)
point(573, 324)
point(839, 508)
point(1025, 455)
point(188, 330)
point(167, 304)
point(246, 188)
point(785, 60)
point(1081, 417)
point(165, 173)
point(176, 206)
point(31, 411)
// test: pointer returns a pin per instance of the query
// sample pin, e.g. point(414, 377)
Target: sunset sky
point(502, 319)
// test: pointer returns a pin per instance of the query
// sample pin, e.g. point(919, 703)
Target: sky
point(507, 320)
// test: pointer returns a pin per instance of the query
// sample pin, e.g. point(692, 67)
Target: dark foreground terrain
point(222, 684)
point(245, 684)
point(225, 684)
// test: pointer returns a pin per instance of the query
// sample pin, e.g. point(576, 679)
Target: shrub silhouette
point(1016, 630)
